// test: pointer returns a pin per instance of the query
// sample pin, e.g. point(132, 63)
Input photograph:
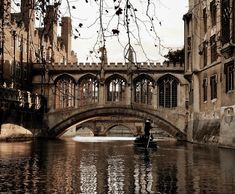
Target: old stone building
point(209, 67)
point(25, 47)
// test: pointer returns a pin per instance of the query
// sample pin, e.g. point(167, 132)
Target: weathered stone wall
point(211, 107)
point(227, 128)
point(10, 131)
point(217, 128)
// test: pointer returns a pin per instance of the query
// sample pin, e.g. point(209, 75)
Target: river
point(115, 166)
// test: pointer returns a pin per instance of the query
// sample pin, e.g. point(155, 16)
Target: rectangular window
point(204, 20)
point(229, 73)
point(205, 53)
point(213, 82)
point(213, 49)
point(204, 85)
point(225, 21)
point(213, 12)
point(189, 44)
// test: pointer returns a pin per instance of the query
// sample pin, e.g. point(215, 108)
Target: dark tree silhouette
point(176, 56)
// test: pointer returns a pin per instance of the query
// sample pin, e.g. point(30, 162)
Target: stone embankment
point(9, 132)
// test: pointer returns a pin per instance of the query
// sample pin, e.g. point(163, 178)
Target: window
point(213, 12)
point(168, 91)
point(116, 90)
point(205, 53)
point(189, 44)
point(225, 21)
point(204, 85)
point(65, 92)
point(204, 20)
point(143, 90)
point(88, 90)
point(213, 82)
point(229, 73)
point(213, 49)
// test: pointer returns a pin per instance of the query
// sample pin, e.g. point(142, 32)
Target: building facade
point(209, 68)
point(25, 46)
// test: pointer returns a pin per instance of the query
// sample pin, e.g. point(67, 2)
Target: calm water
point(66, 166)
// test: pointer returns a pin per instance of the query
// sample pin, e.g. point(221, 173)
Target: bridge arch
point(167, 76)
point(63, 76)
point(114, 76)
point(111, 126)
point(85, 127)
point(143, 76)
point(87, 76)
point(78, 117)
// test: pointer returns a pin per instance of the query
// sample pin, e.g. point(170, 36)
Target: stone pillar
point(49, 92)
point(179, 95)
point(128, 94)
point(66, 31)
point(102, 96)
point(76, 96)
point(155, 97)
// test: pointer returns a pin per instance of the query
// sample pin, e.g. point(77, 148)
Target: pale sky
point(171, 31)
point(168, 24)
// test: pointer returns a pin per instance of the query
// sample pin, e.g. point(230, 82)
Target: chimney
point(28, 14)
point(50, 24)
point(66, 33)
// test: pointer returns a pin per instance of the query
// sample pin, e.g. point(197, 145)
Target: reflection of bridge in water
point(104, 96)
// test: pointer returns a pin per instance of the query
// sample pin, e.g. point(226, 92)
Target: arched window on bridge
point(143, 90)
point(167, 91)
point(88, 90)
point(116, 89)
point(65, 92)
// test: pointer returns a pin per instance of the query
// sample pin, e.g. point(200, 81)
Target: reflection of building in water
point(143, 176)
point(116, 175)
point(181, 175)
point(88, 174)
point(17, 168)
point(167, 181)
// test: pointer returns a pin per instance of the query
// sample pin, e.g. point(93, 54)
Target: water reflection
point(114, 167)
point(143, 173)
point(88, 174)
point(116, 174)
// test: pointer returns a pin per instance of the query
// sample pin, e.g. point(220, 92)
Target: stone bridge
point(79, 94)
point(21, 108)
point(173, 123)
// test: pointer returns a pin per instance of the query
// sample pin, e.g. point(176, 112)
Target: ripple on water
point(115, 167)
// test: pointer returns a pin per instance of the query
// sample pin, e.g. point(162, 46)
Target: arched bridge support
point(172, 123)
point(102, 126)
point(29, 119)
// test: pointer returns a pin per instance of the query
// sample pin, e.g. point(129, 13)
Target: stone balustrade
point(117, 66)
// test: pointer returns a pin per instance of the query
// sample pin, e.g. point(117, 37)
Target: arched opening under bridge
point(79, 117)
